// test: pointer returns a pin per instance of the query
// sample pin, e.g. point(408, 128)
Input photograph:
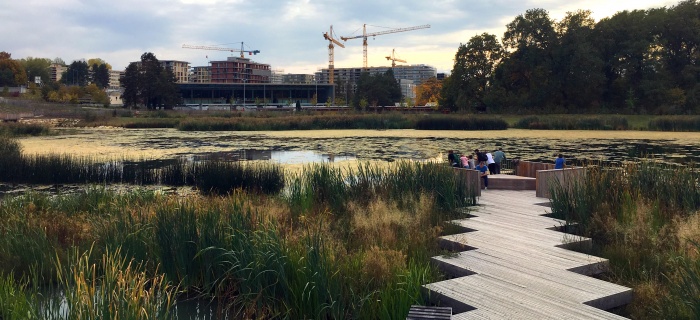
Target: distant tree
point(378, 89)
point(12, 72)
point(99, 61)
point(37, 67)
point(77, 73)
point(131, 81)
point(100, 75)
point(58, 61)
point(472, 74)
point(428, 91)
point(150, 84)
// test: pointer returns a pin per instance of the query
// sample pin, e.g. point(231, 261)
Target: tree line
point(641, 61)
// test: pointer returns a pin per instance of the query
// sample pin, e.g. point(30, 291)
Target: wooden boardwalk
point(517, 266)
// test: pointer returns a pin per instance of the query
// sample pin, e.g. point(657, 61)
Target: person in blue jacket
point(560, 163)
point(484, 173)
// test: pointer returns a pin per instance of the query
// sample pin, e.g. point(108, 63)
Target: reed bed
point(675, 123)
point(644, 218)
point(303, 253)
point(459, 122)
point(209, 176)
point(23, 129)
point(573, 123)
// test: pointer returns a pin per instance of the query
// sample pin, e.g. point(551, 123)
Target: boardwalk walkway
point(517, 266)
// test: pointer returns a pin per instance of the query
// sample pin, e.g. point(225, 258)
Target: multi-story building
point(181, 69)
point(114, 76)
point(277, 76)
point(417, 73)
point(56, 71)
point(201, 74)
point(240, 70)
point(408, 88)
point(298, 78)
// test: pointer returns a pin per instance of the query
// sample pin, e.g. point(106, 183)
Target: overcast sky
point(289, 34)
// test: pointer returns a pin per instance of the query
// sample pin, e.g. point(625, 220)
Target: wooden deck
point(517, 266)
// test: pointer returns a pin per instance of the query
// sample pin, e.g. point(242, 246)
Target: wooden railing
point(562, 179)
point(529, 169)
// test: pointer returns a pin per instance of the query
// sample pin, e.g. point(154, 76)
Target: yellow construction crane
point(242, 51)
point(331, 41)
point(374, 34)
point(394, 59)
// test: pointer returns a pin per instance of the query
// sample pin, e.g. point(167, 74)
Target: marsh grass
point(24, 129)
point(675, 123)
point(460, 122)
point(573, 123)
point(309, 254)
point(209, 176)
point(641, 216)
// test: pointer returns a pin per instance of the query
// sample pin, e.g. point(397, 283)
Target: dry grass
point(688, 231)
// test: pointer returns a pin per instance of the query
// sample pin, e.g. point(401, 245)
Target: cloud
point(287, 32)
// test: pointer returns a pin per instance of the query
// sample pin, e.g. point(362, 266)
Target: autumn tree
point(12, 72)
point(428, 91)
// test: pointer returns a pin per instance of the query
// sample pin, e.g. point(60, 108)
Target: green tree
point(37, 67)
point(131, 81)
point(150, 84)
point(99, 61)
point(12, 72)
point(100, 75)
point(77, 73)
point(527, 71)
point(577, 63)
point(472, 73)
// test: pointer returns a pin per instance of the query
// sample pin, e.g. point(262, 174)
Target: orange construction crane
point(242, 51)
point(374, 34)
point(331, 41)
point(394, 59)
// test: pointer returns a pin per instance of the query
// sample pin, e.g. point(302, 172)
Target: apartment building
point(181, 69)
point(201, 74)
point(417, 73)
point(240, 70)
point(114, 76)
point(298, 78)
point(56, 71)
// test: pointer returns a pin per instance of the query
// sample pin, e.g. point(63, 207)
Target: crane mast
point(365, 35)
point(394, 59)
point(242, 50)
point(331, 45)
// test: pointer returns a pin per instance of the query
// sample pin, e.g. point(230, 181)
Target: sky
point(289, 34)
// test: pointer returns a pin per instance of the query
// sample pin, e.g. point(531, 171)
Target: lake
point(293, 148)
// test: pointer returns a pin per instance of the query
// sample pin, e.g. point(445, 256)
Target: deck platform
point(511, 182)
point(518, 266)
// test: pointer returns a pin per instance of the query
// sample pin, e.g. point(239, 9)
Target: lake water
point(300, 147)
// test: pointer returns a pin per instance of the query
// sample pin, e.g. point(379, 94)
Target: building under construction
point(417, 73)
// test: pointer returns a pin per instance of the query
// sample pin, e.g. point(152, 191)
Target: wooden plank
point(517, 266)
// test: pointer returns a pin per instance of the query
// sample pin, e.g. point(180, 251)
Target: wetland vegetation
point(333, 244)
point(644, 217)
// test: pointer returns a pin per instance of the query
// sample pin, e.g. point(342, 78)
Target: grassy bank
point(336, 244)
point(565, 122)
point(644, 218)
point(13, 129)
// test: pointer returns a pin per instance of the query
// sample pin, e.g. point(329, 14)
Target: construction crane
point(393, 59)
point(241, 50)
point(374, 34)
point(331, 45)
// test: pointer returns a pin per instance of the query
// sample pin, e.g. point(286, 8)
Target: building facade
point(416, 73)
point(181, 69)
point(240, 70)
point(56, 72)
point(201, 74)
point(298, 78)
point(114, 76)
